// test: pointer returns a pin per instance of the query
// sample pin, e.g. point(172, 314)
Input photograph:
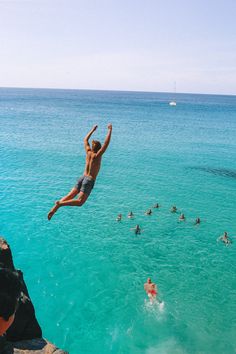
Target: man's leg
point(70, 202)
point(74, 191)
point(82, 197)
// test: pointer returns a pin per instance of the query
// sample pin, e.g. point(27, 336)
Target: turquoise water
point(85, 271)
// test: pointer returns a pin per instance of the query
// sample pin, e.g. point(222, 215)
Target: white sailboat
point(173, 102)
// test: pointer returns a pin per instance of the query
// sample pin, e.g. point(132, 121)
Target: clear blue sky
point(119, 44)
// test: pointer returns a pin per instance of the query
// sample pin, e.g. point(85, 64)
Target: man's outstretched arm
point(106, 142)
point(86, 139)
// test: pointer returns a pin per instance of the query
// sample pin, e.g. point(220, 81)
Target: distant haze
point(119, 45)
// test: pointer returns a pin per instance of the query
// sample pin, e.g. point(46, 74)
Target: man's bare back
point(93, 164)
point(86, 183)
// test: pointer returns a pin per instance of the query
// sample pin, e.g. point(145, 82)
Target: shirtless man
point(85, 184)
point(151, 289)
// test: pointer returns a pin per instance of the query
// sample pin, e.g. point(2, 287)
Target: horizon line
point(114, 90)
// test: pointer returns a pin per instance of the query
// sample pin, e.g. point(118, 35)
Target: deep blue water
point(85, 271)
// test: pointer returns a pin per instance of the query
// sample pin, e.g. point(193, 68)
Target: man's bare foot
point(50, 214)
point(53, 210)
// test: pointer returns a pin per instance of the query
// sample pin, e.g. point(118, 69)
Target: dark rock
point(25, 335)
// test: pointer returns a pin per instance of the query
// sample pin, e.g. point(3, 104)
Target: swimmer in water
point(119, 217)
point(173, 209)
point(156, 206)
point(137, 230)
point(148, 212)
point(197, 221)
point(182, 217)
point(225, 238)
point(130, 215)
point(151, 289)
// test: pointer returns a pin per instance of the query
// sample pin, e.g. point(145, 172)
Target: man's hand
point(86, 139)
point(109, 126)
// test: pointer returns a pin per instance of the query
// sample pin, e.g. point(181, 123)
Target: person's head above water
point(96, 145)
point(149, 281)
point(10, 291)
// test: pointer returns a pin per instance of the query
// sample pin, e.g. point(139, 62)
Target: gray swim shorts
point(85, 184)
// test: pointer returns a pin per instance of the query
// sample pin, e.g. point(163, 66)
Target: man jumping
point(85, 184)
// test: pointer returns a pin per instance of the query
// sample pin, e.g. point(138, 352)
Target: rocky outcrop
point(33, 346)
point(24, 336)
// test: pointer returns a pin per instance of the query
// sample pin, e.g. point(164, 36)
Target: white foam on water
point(129, 331)
point(114, 334)
point(155, 307)
point(171, 346)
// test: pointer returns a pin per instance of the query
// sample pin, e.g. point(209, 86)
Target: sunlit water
point(84, 270)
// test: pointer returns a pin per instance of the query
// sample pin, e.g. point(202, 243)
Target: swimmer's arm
point(86, 139)
point(106, 142)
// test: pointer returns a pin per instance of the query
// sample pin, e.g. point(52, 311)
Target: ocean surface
point(85, 271)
